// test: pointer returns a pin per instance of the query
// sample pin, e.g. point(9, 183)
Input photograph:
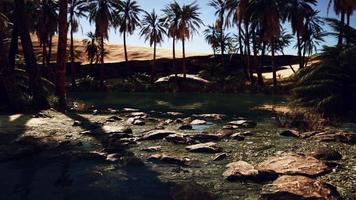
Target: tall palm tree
point(77, 10)
point(172, 14)
point(62, 54)
point(91, 47)
point(127, 20)
point(297, 11)
point(153, 31)
point(268, 13)
point(211, 37)
point(188, 24)
point(102, 14)
point(341, 7)
point(34, 72)
point(221, 7)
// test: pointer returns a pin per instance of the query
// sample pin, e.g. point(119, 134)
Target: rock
point(113, 157)
point(178, 138)
point(230, 127)
point(326, 153)
point(240, 170)
point(198, 122)
point(169, 159)
point(209, 147)
point(247, 133)
point(237, 136)
point(243, 123)
point(108, 129)
point(298, 187)
point(175, 114)
point(293, 165)
point(130, 110)
point(349, 138)
point(290, 133)
point(152, 149)
point(178, 121)
point(185, 127)
point(224, 133)
point(77, 123)
point(41, 115)
point(95, 112)
point(220, 156)
point(213, 116)
point(114, 119)
point(205, 137)
point(137, 114)
point(157, 134)
point(137, 122)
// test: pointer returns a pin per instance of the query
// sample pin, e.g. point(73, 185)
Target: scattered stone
point(294, 165)
point(130, 110)
point(326, 153)
point(178, 138)
point(157, 134)
point(224, 133)
point(349, 138)
point(95, 112)
point(170, 159)
point(198, 122)
point(175, 114)
point(186, 127)
point(77, 123)
point(152, 149)
point(209, 147)
point(247, 133)
point(109, 129)
point(41, 115)
point(230, 127)
point(137, 114)
point(138, 122)
point(298, 187)
point(243, 123)
point(240, 170)
point(290, 133)
point(219, 157)
point(211, 116)
point(178, 121)
point(114, 119)
point(237, 136)
point(114, 157)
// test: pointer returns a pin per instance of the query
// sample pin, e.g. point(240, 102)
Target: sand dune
point(115, 52)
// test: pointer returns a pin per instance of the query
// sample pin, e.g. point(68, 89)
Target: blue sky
point(207, 15)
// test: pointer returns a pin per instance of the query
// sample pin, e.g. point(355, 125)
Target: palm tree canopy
point(211, 36)
point(101, 13)
point(190, 21)
point(172, 14)
point(296, 11)
point(77, 10)
point(152, 28)
point(127, 18)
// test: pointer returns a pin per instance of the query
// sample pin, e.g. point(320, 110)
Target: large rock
point(290, 133)
point(293, 165)
point(298, 188)
point(326, 153)
point(243, 123)
point(109, 129)
point(240, 170)
point(198, 122)
point(212, 116)
point(157, 134)
point(179, 160)
point(205, 137)
point(209, 147)
point(186, 127)
point(178, 138)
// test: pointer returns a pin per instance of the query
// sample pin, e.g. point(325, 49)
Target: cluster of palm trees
point(258, 22)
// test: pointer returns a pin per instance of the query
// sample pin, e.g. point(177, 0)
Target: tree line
point(258, 23)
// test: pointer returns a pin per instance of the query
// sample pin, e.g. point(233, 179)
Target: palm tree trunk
point(348, 24)
point(248, 51)
point(222, 39)
point(241, 48)
point(260, 77)
point(341, 34)
point(102, 54)
point(125, 49)
point(184, 59)
point(274, 65)
point(12, 93)
point(154, 62)
point(50, 44)
point(44, 54)
point(174, 57)
point(72, 69)
point(61, 54)
point(34, 72)
point(301, 65)
point(13, 46)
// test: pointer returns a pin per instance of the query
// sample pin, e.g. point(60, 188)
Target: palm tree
point(62, 54)
point(267, 13)
point(297, 11)
point(172, 14)
point(220, 6)
point(153, 31)
point(91, 48)
point(127, 20)
point(34, 72)
point(76, 11)
point(341, 7)
point(102, 14)
point(188, 24)
point(211, 37)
